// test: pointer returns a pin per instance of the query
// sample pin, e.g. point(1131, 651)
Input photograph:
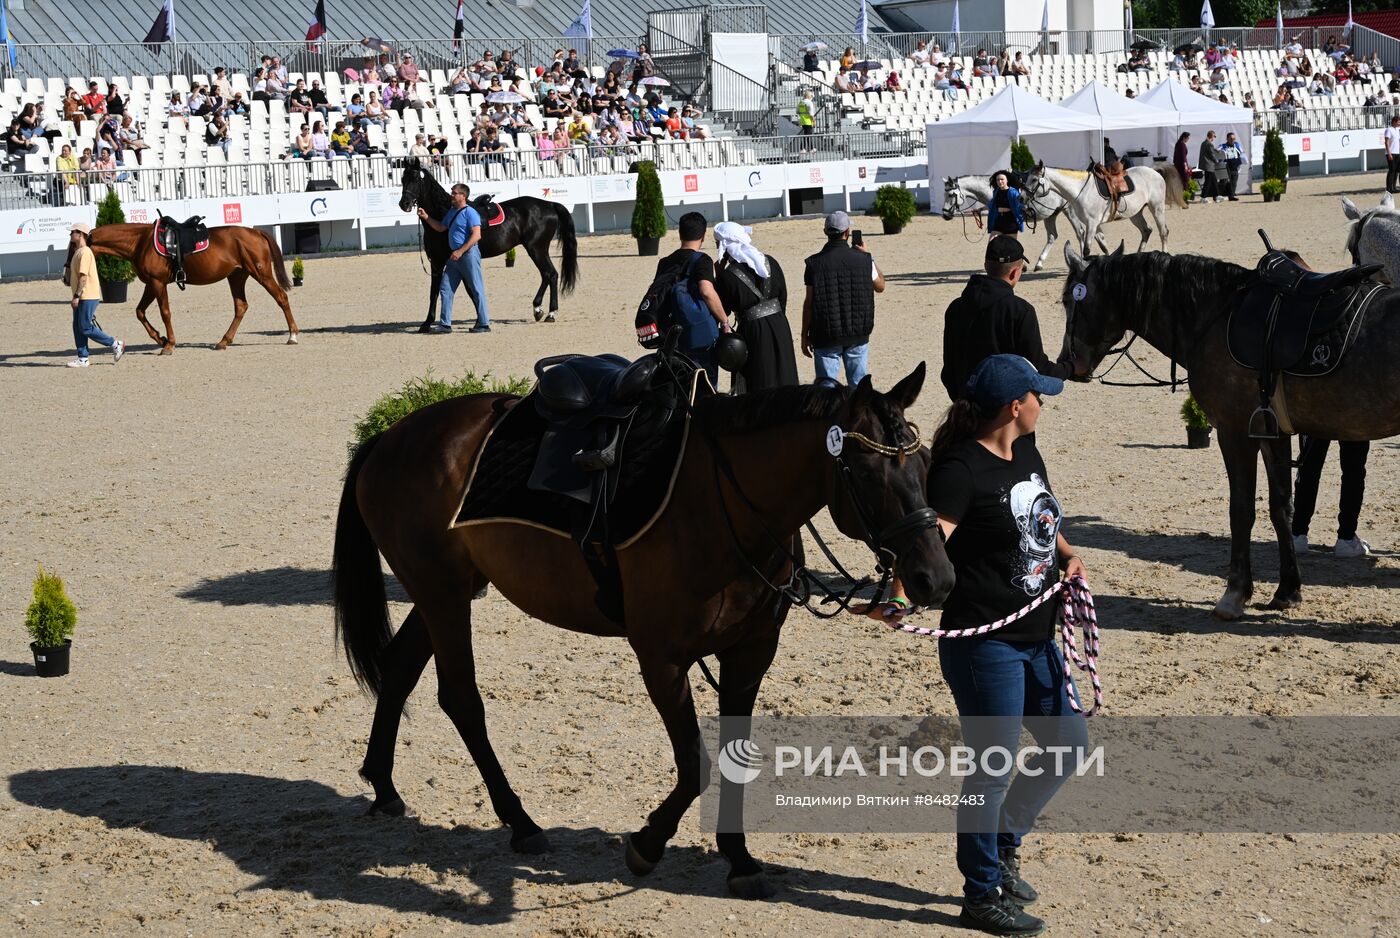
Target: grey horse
point(1374, 237)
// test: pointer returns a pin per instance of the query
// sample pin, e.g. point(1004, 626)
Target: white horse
point(1088, 210)
point(1374, 237)
point(961, 193)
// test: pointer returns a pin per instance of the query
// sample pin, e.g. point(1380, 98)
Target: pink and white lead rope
point(1077, 606)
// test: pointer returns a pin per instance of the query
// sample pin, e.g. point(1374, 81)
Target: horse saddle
point(1112, 180)
point(490, 211)
point(1293, 320)
point(590, 453)
point(177, 239)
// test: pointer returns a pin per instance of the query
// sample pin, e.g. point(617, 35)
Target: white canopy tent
point(979, 140)
point(1196, 114)
point(1128, 123)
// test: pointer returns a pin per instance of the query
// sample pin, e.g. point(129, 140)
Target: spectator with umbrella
point(809, 56)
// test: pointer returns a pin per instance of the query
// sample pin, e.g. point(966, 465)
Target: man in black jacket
point(838, 313)
point(989, 319)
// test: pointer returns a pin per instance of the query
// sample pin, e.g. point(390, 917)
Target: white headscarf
point(734, 242)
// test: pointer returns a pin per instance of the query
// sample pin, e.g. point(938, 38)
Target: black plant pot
point(296, 281)
point(113, 292)
point(510, 262)
point(1197, 438)
point(890, 226)
point(51, 662)
point(648, 247)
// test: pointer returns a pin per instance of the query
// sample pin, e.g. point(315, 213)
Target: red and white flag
point(317, 29)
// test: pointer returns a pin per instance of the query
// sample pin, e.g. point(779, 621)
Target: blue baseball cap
point(1001, 379)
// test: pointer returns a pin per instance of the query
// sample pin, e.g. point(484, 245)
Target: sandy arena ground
point(195, 774)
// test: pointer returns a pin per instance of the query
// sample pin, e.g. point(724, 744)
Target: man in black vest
point(838, 314)
point(989, 319)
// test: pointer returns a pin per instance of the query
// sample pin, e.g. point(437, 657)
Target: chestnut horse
point(234, 254)
point(701, 579)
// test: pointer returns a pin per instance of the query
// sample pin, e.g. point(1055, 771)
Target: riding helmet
point(731, 352)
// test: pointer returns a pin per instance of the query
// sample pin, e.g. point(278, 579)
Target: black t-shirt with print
point(1003, 549)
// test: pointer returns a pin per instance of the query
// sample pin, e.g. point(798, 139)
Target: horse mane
point(431, 194)
point(724, 414)
point(1141, 281)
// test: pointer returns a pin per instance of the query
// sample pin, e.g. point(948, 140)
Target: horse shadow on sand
point(305, 837)
point(1208, 555)
point(279, 586)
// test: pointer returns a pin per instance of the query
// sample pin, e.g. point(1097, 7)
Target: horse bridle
point(1077, 292)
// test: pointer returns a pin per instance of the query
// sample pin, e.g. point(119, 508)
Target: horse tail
point(357, 584)
point(279, 263)
point(1176, 195)
point(569, 277)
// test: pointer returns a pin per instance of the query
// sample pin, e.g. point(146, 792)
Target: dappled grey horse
point(1374, 237)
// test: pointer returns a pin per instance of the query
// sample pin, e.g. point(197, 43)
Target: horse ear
point(906, 392)
point(864, 389)
point(1118, 251)
point(1072, 258)
point(1349, 208)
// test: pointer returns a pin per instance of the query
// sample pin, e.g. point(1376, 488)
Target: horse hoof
point(293, 339)
point(220, 346)
point(753, 886)
point(530, 843)
point(1286, 600)
point(426, 328)
point(637, 863)
point(1229, 608)
point(539, 313)
point(549, 318)
point(167, 349)
point(394, 807)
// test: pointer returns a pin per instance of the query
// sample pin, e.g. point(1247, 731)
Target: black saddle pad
point(1302, 336)
point(499, 488)
point(1128, 186)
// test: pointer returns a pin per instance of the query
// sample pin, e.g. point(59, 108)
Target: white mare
point(1375, 236)
point(1087, 210)
point(961, 193)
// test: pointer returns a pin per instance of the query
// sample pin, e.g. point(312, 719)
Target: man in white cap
point(838, 314)
point(87, 293)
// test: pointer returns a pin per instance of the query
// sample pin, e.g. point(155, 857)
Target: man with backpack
point(684, 295)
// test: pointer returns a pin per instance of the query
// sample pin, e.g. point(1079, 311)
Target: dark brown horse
point(529, 222)
point(1179, 304)
point(234, 254)
point(689, 585)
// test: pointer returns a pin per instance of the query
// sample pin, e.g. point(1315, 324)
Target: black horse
point(530, 222)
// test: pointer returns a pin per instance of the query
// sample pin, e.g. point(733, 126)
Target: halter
point(1077, 292)
point(963, 213)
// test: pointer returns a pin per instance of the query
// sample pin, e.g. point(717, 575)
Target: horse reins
point(1076, 609)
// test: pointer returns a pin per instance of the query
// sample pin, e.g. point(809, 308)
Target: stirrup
point(1263, 423)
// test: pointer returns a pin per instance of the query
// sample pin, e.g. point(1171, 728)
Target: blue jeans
point(85, 327)
point(992, 678)
point(829, 361)
point(465, 271)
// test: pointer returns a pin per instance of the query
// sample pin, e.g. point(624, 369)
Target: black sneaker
point(479, 328)
point(1011, 882)
point(999, 916)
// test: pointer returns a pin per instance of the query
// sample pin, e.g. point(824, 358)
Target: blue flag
point(9, 43)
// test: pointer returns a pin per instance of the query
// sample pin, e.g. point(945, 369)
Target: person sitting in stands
point(419, 150)
point(130, 137)
point(340, 139)
point(921, 55)
point(319, 101)
point(302, 147)
point(408, 71)
point(320, 143)
point(355, 111)
point(1019, 66)
point(555, 107)
point(842, 83)
point(94, 102)
point(298, 100)
point(892, 82)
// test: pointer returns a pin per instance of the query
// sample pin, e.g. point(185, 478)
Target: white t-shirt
point(920, 56)
point(1392, 141)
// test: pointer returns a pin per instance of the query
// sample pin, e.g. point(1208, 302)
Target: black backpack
point(661, 308)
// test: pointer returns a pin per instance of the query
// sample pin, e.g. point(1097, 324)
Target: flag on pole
point(1279, 23)
point(9, 43)
point(863, 23)
point(163, 29)
point(317, 29)
point(1128, 19)
point(458, 29)
point(1207, 17)
point(1045, 26)
point(957, 29)
point(582, 26)
point(1346, 30)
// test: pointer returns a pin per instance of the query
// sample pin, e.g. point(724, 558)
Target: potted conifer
point(50, 619)
point(510, 258)
point(113, 272)
point(894, 206)
point(1275, 165)
point(298, 272)
point(649, 212)
point(1197, 424)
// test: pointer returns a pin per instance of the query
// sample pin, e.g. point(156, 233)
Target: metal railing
point(27, 190)
point(1317, 120)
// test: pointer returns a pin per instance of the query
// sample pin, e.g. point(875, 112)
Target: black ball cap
point(1004, 249)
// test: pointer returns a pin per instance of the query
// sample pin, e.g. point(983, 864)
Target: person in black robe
point(752, 288)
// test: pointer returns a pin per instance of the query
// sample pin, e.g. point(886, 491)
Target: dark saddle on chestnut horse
point(1293, 320)
point(178, 239)
point(489, 210)
point(591, 452)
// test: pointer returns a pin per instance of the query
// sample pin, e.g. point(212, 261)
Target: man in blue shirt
point(463, 227)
